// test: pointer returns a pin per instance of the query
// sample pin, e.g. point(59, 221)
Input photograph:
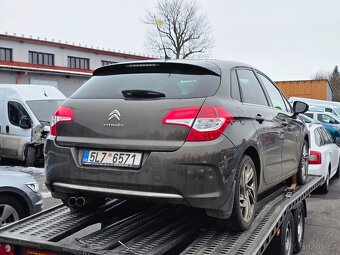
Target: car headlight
point(33, 186)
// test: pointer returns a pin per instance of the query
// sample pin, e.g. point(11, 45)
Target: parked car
point(324, 155)
point(182, 131)
point(25, 115)
point(324, 117)
point(332, 129)
point(19, 196)
point(319, 105)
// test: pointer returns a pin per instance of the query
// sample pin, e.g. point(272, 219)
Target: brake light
point(205, 124)
point(6, 249)
point(315, 158)
point(62, 114)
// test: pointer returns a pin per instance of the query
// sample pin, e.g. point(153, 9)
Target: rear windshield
point(173, 85)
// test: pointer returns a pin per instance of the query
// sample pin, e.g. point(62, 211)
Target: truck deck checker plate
point(154, 230)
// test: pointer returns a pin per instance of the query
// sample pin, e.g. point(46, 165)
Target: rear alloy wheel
point(324, 187)
point(302, 173)
point(245, 197)
point(10, 210)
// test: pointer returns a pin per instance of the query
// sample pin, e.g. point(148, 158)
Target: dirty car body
point(186, 124)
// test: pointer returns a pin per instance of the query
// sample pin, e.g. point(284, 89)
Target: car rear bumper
point(198, 174)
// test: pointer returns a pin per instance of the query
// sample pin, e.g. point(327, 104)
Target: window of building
point(5, 54)
point(41, 58)
point(251, 90)
point(15, 112)
point(105, 62)
point(79, 63)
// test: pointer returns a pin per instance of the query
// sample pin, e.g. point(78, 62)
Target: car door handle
point(259, 118)
point(7, 129)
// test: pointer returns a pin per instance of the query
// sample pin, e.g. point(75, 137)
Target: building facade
point(63, 65)
point(316, 89)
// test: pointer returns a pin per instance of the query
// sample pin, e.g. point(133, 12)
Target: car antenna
point(45, 93)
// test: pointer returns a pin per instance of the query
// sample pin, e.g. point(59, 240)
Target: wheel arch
point(21, 198)
point(306, 138)
point(252, 152)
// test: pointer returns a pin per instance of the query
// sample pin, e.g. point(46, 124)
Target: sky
point(286, 39)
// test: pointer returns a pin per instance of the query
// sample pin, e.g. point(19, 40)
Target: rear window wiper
point(142, 93)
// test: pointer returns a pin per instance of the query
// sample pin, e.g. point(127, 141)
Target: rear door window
point(317, 137)
point(175, 82)
point(235, 89)
point(325, 136)
point(251, 90)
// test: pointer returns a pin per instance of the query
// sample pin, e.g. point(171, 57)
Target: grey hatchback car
point(19, 196)
point(209, 134)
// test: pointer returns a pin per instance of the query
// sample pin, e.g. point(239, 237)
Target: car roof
point(213, 65)
point(32, 92)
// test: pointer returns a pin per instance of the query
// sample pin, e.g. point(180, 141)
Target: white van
point(319, 105)
point(25, 115)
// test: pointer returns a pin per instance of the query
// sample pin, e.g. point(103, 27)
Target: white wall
point(66, 85)
point(21, 49)
point(329, 92)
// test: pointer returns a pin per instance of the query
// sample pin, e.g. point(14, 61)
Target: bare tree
point(334, 79)
point(178, 30)
point(321, 75)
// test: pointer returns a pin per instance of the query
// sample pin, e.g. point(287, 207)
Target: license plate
point(112, 158)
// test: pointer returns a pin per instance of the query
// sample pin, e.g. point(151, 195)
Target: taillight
point(6, 249)
point(314, 158)
point(62, 114)
point(205, 124)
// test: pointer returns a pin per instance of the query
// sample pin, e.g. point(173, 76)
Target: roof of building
point(305, 80)
point(25, 67)
point(78, 47)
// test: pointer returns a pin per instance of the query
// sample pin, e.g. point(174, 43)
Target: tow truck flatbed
point(120, 227)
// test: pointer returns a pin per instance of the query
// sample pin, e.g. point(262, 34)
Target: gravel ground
point(322, 234)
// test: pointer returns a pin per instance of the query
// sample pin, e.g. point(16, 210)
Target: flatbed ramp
point(157, 229)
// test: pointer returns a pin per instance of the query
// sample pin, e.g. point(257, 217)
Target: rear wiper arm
point(142, 93)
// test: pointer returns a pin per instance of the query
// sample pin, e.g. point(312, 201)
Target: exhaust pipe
point(80, 202)
point(72, 201)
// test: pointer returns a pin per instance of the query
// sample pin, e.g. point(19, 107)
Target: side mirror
point(25, 122)
point(299, 107)
point(337, 141)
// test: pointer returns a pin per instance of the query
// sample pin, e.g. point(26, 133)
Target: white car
point(324, 155)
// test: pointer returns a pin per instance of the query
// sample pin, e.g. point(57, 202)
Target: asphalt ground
point(322, 233)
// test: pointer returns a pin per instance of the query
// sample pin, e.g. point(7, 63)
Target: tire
point(283, 244)
point(325, 186)
point(302, 173)
point(299, 222)
point(244, 199)
point(30, 156)
point(12, 208)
